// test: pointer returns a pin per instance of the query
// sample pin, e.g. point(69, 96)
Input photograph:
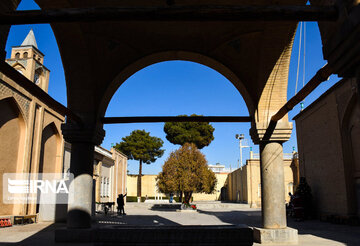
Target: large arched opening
point(173, 56)
point(164, 88)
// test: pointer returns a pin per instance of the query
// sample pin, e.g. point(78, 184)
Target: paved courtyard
point(311, 232)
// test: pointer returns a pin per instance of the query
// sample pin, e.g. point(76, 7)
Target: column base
point(269, 236)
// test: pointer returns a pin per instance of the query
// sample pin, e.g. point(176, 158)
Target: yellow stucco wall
point(148, 184)
point(215, 196)
point(244, 185)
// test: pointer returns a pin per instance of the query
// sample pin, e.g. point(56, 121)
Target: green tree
point(199, 133)
point(186, 171)
point(139, 145)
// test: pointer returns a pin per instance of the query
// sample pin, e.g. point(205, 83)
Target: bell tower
point(28, 60)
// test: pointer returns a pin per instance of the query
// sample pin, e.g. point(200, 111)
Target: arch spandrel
point(274, 96)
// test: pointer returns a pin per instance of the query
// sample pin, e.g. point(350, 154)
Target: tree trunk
point(181, 196)
point(187, 197)
point(139, 181)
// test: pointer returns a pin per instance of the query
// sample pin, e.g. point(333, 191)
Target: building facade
point(109, 177)
point(30, 135)
point(244, 184)
point(328, 135)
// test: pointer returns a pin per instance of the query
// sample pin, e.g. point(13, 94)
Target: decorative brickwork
point(22, 101)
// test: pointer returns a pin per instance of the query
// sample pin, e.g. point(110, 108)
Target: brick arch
point(171, 56)
point(274, 94)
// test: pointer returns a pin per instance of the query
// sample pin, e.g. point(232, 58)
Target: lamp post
point(241, 137)
point(239, 194)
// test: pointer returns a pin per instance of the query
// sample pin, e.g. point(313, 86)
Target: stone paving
point(311, 232)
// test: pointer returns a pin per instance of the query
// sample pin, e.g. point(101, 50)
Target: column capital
point(74, 134)
point(282, 132)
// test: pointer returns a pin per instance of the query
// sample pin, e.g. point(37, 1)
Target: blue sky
point(178, 87)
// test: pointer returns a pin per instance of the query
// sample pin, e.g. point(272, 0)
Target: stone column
point(272, 185)
point(273, 208)
point(81, 198)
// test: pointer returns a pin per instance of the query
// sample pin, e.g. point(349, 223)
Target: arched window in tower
point(37, 76)
point(25, 55)
point(17, 55)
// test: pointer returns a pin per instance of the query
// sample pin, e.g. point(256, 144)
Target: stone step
point(240, 235)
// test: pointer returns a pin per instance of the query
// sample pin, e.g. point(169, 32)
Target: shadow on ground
point(46, 236)
point(235, 217)
point(349, 235)
point(124, 220)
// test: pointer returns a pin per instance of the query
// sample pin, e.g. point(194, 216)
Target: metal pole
point(240, 154)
